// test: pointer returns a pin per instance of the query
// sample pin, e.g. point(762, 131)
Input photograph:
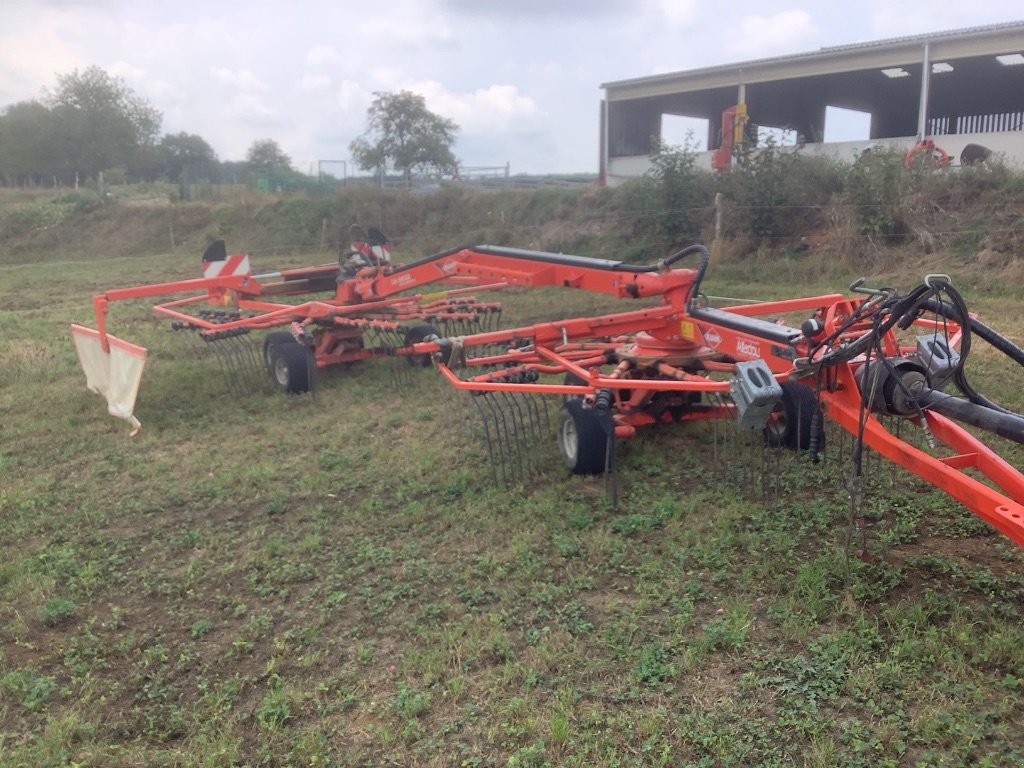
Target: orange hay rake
point(873, 364)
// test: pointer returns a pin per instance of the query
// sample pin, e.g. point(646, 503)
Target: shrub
point(680, 193)
point(874, 189)
point(778, 192)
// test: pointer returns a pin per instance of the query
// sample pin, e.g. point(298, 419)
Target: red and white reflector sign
point(238, 264)
point(115, 374)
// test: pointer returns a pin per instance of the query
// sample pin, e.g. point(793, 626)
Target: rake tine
point(508, 437)
point(255, 353)
point(186, 337)
point(540, 425)
point(510, 421)
point(526, 434)
point(510, 440)
point(516, 440)
point(372, 337)
point(533, 409)
point(244, 360)
point(229, 349)
point(224, 364)
point(481, 400)
point(249, 358)
point(226, 350)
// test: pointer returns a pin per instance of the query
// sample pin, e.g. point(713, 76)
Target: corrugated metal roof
point(830, 51)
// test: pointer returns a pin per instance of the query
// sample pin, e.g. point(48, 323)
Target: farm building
point(958, 88)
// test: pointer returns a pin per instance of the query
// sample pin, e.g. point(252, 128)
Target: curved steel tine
point(480, 401)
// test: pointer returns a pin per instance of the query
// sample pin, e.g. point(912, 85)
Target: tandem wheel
point(287, 362)
point(582, 439)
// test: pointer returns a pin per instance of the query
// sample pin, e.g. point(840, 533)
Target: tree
point(103, 123)
point(266, 155)
point(403, 133)
point(28, 131)
point(187, 157)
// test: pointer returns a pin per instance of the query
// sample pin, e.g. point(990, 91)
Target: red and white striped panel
point(238, 264)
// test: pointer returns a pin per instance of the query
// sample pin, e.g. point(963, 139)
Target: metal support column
point(926, 76)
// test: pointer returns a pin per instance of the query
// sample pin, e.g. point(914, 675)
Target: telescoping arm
point(538, 269)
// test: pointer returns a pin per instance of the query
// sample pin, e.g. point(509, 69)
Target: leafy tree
point(187, 157)
point(267, 155)
point(403, 133)
point(28, 131)
point(103, 123)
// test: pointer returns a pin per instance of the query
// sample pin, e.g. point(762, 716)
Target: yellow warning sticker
point(687, 330)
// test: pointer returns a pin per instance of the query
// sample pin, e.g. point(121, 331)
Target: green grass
point(264, 580)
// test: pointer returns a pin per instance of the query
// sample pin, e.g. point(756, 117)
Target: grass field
point(265, 580)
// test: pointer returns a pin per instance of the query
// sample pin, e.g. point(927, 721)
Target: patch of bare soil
point(991, 552)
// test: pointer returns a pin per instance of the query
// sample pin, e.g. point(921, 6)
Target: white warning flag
point(115, 374)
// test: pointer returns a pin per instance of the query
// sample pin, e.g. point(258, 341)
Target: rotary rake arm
point(371, 313)
point(530, 269)
point(850, 363)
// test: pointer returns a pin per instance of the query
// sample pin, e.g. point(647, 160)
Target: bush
point(777, 192)
point(679, 192)
point(874, 189)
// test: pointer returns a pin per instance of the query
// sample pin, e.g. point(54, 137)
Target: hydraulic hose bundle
point(887, 310)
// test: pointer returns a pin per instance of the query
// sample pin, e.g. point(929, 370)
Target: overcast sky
point(520, 77)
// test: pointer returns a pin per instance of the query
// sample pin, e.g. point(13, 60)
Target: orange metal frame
point(654, 338)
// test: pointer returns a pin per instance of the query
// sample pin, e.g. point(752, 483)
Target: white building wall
point(1008, 146)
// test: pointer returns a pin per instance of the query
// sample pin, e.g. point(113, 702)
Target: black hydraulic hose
point(997, 340)
point(1008, 425)
point(962, 317)
point(702, 268)
point(671, 259)
point(983, 331)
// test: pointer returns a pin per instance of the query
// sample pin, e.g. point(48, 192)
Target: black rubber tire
point(790, 425)
point(271, 339)
point(288, 366)
point(582, 439)
point(415, 335)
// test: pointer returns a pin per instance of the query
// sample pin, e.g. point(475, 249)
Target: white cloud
point(350, 95)
point(405, 30)
point(242, 79)
point(126, 71)
point(314, 82)
point(784, 32)
point(679, 13)
point(913, 17)
point(249, 106)
point(323, 55)
point(496, 108)
point(30, 57)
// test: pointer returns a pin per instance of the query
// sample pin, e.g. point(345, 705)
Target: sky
point(521, 78)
